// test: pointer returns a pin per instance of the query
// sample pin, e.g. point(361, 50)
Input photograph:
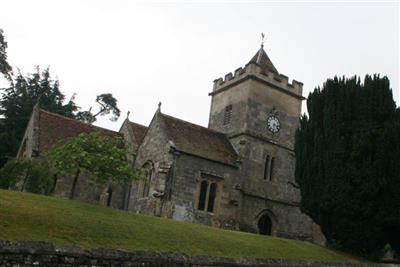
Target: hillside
point(26, 216)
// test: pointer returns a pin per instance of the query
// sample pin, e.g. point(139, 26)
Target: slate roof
point(138, 130)
point(54, 128)
point(261, 58)
point(197, 140)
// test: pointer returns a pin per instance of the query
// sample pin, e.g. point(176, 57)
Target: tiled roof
point(138, 130)
point(261, 58)
point(198, 140)
point(54, 128)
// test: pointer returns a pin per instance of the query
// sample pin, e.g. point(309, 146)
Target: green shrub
point(31, 175)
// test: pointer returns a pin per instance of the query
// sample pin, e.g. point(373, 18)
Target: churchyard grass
point(25, 216)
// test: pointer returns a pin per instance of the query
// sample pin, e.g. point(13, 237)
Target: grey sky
point(171, 52)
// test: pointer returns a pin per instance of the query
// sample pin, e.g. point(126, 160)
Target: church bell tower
point(259, 110)
point(257, 100)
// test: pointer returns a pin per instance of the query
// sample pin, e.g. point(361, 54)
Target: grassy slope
point(26, 216)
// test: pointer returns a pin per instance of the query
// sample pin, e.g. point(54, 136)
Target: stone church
point(238, 173)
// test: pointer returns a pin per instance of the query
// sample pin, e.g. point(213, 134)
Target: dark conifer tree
point(5, 68)
point(17, 102)
point(347, 152)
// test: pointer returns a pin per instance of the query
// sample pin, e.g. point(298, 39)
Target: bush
point(32, 175)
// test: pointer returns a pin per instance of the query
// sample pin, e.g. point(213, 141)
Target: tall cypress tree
point(16, 104)
point(347, 152)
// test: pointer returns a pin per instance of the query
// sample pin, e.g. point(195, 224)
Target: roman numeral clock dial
point(273, 124)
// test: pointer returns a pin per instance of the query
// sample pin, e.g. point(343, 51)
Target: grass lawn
point(25, 216)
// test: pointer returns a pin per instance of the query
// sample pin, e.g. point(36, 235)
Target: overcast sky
point(144, 53)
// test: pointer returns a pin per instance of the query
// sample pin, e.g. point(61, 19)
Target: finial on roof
point(262, 39)
point(127, 114)
point(159, 107)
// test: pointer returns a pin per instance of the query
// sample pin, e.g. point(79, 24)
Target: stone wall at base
point(30, 253)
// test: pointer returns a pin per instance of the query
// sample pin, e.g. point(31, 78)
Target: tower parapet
point(255, 72)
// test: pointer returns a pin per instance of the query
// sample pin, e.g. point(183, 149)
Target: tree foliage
point(5, 68)
point(101, 155)
point(18, 100)
point(30, 175)
point(107, 103)
point(348, 163)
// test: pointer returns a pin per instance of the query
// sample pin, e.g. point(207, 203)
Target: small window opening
point(203, 194)
point(211, 197)
point(227, 114)
point(271, 168)
point(146, 183)
point(266, 167)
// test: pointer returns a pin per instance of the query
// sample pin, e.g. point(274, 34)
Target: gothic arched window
point(211, 197)
point(208, 193)
point(144, 186)
point(203, 195)
point(269, 168)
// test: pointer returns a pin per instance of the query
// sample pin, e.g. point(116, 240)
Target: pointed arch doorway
point(264, 225)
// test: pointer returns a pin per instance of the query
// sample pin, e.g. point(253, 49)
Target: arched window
point(203, 195)
point(264, 225)
point(146, 183)
point(211, 197)
point(207, 196)
point(269, 168)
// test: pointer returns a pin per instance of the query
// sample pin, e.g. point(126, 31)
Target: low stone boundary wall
point(30, 253)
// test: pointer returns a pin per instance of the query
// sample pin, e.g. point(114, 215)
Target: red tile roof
point(138, 131)
point(198, 140)
point(261, 58)
point(54, 128)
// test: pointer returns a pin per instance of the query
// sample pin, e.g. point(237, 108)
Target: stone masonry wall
point(154, 150)
point(29, 253)
point(190, 172)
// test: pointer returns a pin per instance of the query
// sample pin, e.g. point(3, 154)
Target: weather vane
point(262, 39)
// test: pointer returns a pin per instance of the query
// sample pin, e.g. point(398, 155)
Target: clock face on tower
point(273, 124)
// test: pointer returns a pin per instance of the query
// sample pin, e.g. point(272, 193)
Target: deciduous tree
point(30, 175)
point(101, 155)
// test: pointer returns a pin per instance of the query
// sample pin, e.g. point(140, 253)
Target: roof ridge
point(197, 125)
point(132, 122)
point(75, 120)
